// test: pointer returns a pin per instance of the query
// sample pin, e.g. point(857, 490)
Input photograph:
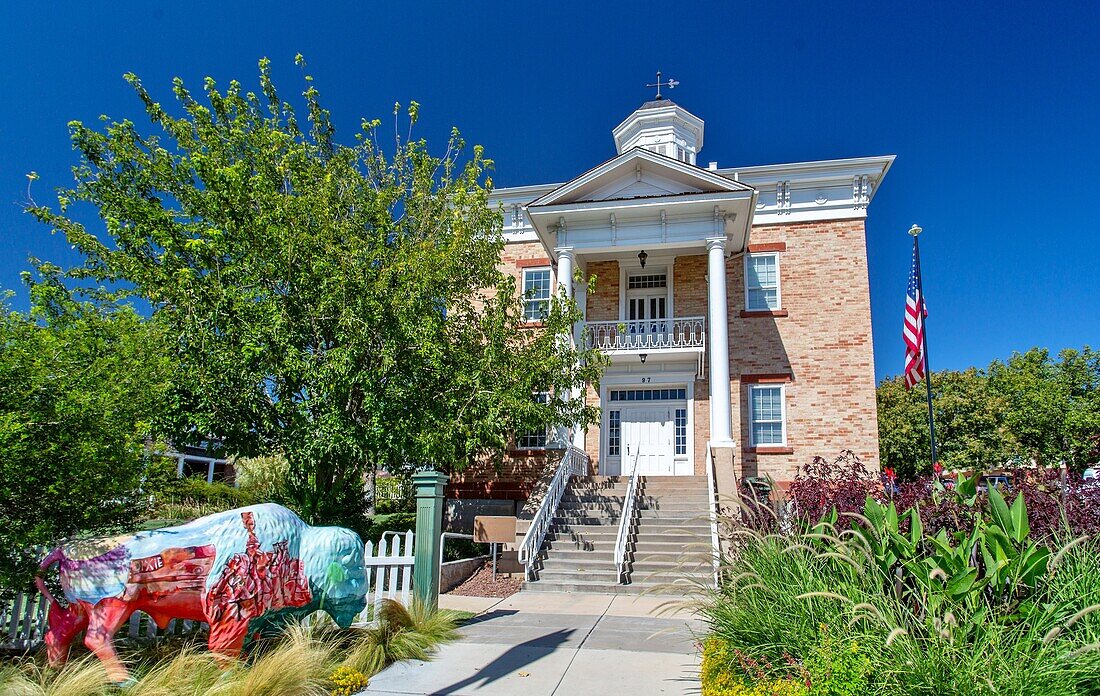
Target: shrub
point(837, 667)
point(189, 498)
point(263, 477)
point(347, 681)
point(841, 485)
point(374, 527)
point(727, 672)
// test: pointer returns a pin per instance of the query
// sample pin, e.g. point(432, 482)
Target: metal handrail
point(573, 463)
point(647, 334)
point(629, 503)
point(712, 488)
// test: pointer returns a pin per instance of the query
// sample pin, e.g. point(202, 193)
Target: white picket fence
point(388, 565)
point(389, 568)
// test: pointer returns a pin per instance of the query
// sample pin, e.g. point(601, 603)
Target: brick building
point(733, 304)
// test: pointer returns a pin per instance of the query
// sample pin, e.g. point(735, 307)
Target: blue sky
point(991, 110)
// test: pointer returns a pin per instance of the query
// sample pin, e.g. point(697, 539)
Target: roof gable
point(639, 173)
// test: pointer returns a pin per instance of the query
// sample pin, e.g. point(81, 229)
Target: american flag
point(913, 331)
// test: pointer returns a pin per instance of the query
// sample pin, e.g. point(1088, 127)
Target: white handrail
point(625, 520)
point(647, 334)
point(712, 488)
point(573, 463)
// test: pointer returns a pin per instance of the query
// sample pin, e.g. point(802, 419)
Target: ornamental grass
point(896, 611)
point(309, 659)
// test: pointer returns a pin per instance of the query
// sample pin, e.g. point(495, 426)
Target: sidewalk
point(542, 644)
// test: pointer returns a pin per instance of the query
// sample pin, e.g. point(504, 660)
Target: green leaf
point(999, 510)
point(962, 583)
point(1019, 518)
point(916, 527)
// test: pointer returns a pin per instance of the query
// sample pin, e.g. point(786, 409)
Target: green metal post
point(429, 525)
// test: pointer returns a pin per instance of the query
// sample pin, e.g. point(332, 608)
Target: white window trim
point(657, 264)
point(656, 381)
point(523, 290)
point(549, 439)
point(782, 414)
point(778, 282)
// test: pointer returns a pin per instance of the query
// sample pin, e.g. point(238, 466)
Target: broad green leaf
point(999, 510)
point(1019, 519)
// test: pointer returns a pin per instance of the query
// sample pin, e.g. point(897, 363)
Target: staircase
point(670, 536)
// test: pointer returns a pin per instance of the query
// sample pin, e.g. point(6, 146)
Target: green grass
point(302, 661)
point(781, 598)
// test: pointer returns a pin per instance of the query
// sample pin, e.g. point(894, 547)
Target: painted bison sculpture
point(245, 572)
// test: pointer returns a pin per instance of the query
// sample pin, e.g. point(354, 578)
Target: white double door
point(648, 441)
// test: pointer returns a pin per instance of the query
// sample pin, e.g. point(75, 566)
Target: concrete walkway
point(570, 644)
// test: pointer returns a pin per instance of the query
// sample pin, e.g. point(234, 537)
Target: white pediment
point(637, 174)
point(642, 183)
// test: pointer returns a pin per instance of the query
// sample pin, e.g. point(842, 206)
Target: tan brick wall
point(516, 255)
point(603, 303)
point(824, 344)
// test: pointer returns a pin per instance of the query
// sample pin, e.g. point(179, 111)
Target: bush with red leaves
point(1059, 505)
point(842, 484)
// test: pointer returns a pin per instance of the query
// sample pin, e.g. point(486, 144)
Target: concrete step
point(593, 587)
point(611, 586)
point(570, 499)
point(608, 574)
point(605, 508)
point(676, 540)
point(646, 546)
point(647, 526)
point(575, 555)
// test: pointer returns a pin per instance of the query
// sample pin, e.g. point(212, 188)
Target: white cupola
point(664, 127)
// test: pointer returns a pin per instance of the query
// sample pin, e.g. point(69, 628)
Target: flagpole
point(915, 231)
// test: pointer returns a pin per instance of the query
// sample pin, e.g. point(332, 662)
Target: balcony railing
point(647, 334)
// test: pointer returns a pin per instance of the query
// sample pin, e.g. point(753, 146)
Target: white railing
point(625, 522)
point(389, 572)
point(647, 334)
point(713, 503)
point(388, 567)
point(573, 463)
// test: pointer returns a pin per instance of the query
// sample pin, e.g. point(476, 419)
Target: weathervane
point(670, 84)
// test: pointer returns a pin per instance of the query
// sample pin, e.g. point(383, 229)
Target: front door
point(648, 441)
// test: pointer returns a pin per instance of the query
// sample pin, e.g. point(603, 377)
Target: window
point(536, 293)
point(762, 282)
point(648, 394)
point(681, 431)
point(614, 433)
point(767, 412)
point(535, 439)
point(651, 280)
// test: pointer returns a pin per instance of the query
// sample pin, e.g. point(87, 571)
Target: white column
point(565, 271)
point(565, 288)
point(578, 337)
point(719, 350)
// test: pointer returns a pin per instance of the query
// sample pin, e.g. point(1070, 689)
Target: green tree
point(329, 302)
point(79, 386)
point(1052, 405)
point(970, 428)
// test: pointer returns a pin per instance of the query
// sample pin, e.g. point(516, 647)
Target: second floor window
point(762, 282)
point(536, 293)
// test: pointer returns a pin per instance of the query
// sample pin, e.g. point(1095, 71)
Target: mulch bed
point(483, 584)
